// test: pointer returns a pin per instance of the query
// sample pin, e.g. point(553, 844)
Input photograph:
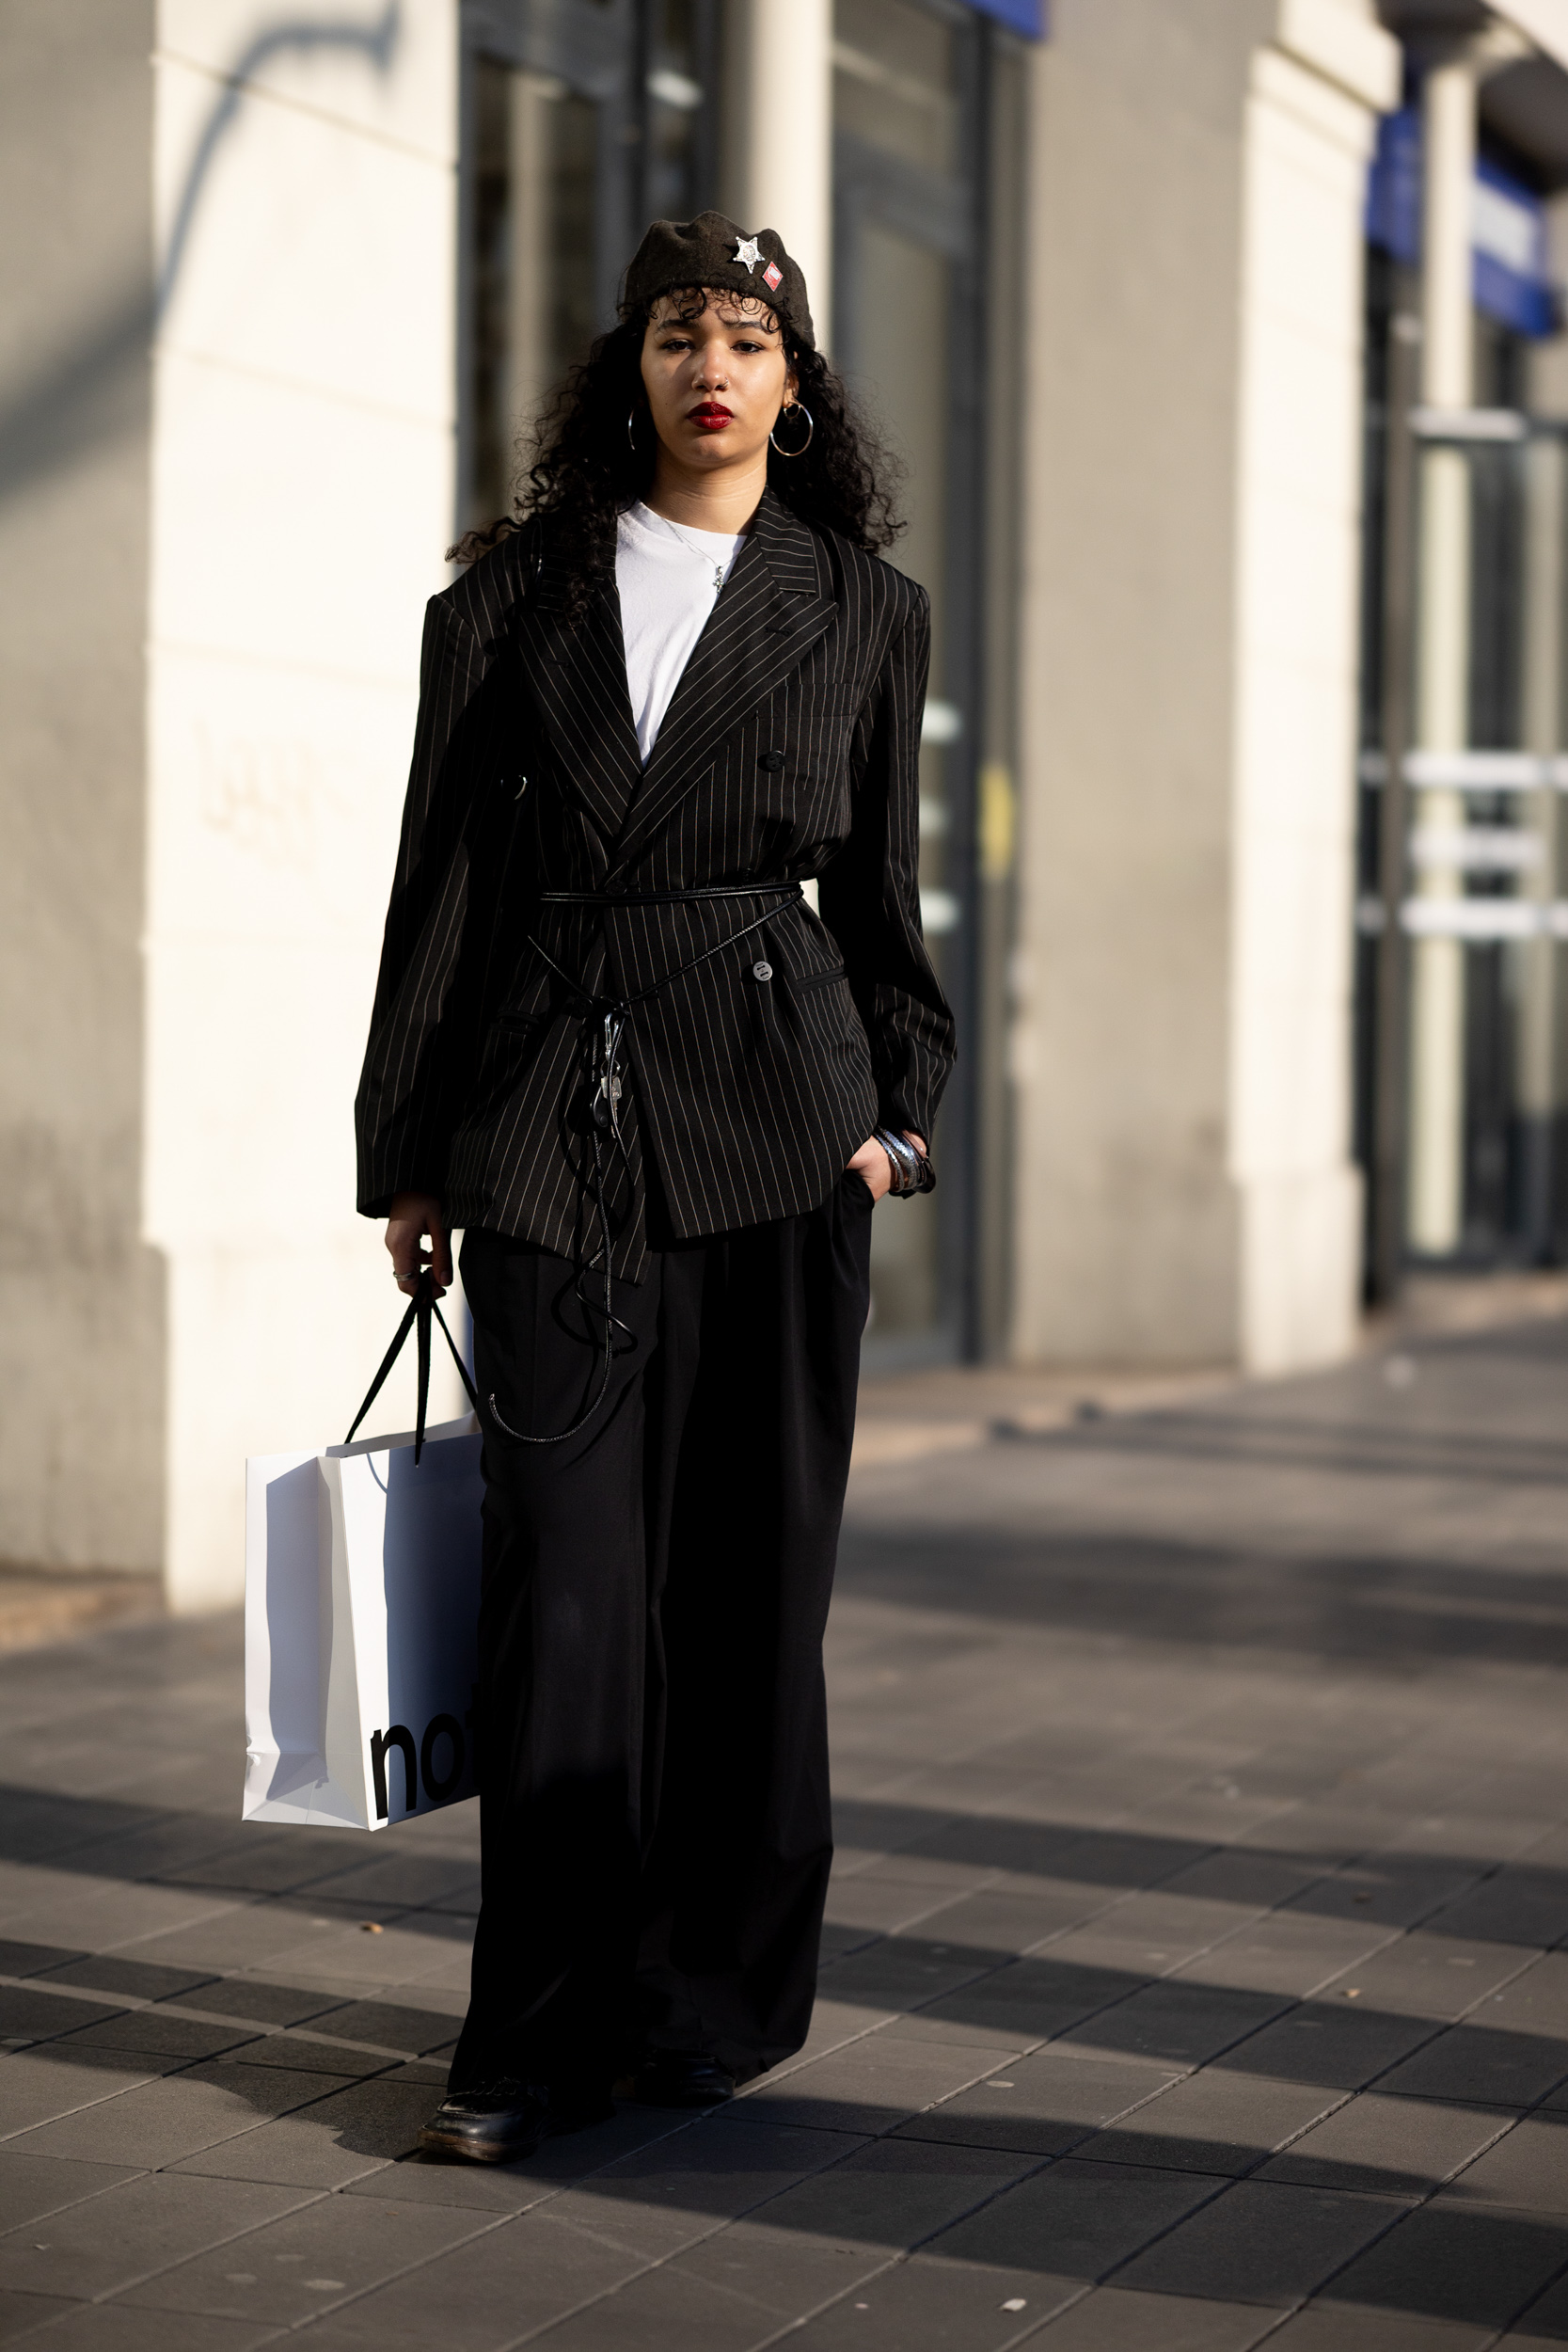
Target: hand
point(414, 1215)
point(872, 1163)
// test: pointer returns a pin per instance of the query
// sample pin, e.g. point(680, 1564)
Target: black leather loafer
point(495, 2122)
point(671, 2079)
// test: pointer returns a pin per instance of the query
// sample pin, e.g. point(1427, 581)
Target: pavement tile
point(1075, 2221)
point(33, 2186)
point(396, 2026)
point(1424, 1975)
point(158, 2122)
point(905, 1972)
point(782, 2271)
point(1448, 2261)
point(880, 1906)
point(867, 2087)
point(132, 2231)
point(1185, 2023)
point(677, 2187)
point(1255, 1880)
point(308, 2260)
point(163, 2033)
point(925, 2304)
point(1035, 1997)
point(1286, 1951)
point(116, 2327)
point(488, 2291)
point(1212, 2121)
point(241, 1934)
point(1521, 1905)
point(1002, 1920)
point(1042, 2104)
point(1375, 2141)
point(1150, 1934)
point(1527, 2171)
point(1341, 2328)
point(311, 2053)
point(37, 2085)
point(1386, 1889)
point(336, 2132)
point(20, 2314)
point(1333, 2045)
point(261, 2003)
point(1262, 2242)
point(19, 1959)
point(892, 2193)
point(30, 2014)
point(1493, 2068)
point(145, 1980)
point(1117, 2319)
point(1545, 2322)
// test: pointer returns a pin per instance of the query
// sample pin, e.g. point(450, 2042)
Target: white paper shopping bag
point(362, 1569)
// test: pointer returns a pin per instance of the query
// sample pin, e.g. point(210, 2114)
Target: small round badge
point(762, 970)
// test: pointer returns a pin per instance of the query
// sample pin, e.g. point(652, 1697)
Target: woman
point(611, 1043)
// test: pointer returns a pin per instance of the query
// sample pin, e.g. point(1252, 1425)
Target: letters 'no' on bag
point(362, 1615)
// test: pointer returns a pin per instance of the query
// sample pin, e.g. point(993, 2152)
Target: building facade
point(293, 288)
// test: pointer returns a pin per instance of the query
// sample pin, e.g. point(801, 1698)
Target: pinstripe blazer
point(788, 750)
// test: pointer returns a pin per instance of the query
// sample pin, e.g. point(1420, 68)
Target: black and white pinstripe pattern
point(750, 1095)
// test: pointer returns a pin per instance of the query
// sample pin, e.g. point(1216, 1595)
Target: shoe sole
point(434, 2143)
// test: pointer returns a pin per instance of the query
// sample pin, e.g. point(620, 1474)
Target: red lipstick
point(711, 415)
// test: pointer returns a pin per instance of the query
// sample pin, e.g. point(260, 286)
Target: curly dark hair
point(585, 468)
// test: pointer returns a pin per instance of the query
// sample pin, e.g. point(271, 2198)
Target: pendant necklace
point(701, 553)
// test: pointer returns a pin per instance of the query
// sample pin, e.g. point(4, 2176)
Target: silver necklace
point(701, 553)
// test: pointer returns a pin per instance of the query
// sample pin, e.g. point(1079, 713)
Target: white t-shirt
point(668, 589)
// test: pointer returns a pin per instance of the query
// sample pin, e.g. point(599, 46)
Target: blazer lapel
point(768, 613)
point(579, 677)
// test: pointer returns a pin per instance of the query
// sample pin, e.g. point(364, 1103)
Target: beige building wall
point(81, 1295)
point(303, 494)
point(1189, 610)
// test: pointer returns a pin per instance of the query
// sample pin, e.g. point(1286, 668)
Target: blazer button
point(762, 971)
point(772, 761)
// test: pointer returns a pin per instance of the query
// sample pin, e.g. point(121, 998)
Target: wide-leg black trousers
point(652, 1724)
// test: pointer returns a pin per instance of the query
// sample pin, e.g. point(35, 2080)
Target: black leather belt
point(671, 897)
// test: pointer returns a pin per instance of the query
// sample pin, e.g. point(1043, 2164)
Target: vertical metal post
point(1390, 1051)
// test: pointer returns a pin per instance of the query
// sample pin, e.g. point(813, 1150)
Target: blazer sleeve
point(416, 1068)
point(870, 894)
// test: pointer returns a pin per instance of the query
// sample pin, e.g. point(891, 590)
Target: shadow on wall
point(71, 403)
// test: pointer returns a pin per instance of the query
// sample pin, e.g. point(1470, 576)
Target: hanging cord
point(604, 1083)
point(420, 1308)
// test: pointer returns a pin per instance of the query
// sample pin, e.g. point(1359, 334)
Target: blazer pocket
point(801, 981)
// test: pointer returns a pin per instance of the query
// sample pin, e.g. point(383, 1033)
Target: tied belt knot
point(609, 1017)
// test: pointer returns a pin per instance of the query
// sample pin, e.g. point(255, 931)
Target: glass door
point(583, 120)
point(908, 335)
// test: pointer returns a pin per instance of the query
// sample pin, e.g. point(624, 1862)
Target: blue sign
point(1020, 16)
point(1508, 229)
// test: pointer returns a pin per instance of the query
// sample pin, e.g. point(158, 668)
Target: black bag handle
point(420, 1308)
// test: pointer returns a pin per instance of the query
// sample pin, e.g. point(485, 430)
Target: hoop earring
point(632, 437)
point(800, 409)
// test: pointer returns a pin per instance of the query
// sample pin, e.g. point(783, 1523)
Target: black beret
point(712, 251)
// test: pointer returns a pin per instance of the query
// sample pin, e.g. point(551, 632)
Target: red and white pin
point(772, 277)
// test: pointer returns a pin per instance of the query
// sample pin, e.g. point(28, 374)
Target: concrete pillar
point(1442, 653)
point(81, 1293)
point(302, 473)
point(786, 165)
point(1183, 1177)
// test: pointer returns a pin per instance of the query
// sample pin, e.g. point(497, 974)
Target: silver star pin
point(748, 250)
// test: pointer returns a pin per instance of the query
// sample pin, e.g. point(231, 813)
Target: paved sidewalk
point(1197, 1960)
